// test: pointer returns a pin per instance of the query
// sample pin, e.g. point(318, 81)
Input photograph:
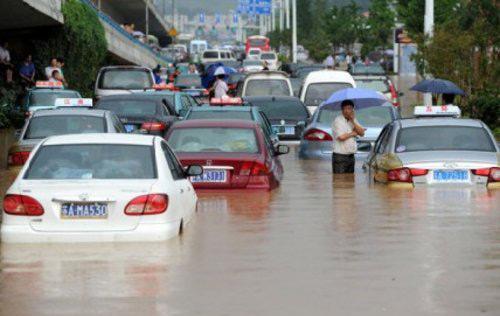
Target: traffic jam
point(129, 164)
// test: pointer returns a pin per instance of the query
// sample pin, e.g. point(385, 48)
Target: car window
point(93, 161)
point(443, 138)
point(266, 124)
point(126, 79)
point(316, 93)
point(379, 85)
point(173, 163)
point(267, 87)
point(211, 54)
point(214, 139)
point(188, 81)
point(267, 56)
point(220, 115)
point(375, 116)
point(129, 107)
point(117, 124)
point(283, 109)
point(384, 141)
point(44, 126)
point(49, 98)
point(379, 138)
point(186, 103)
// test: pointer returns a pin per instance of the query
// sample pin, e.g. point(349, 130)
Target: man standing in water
point(345, 129)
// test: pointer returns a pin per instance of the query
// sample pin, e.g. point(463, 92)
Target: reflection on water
point(319, 245)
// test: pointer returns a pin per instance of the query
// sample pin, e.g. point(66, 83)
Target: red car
point(234, 154)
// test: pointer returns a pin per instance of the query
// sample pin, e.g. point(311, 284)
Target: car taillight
point(253, 169)
point(15, 204)
point(317, 135)
point(205, 92)
point(394, 95)
point(150, 204)
point(493, 173)
point(18, 158)
point(399, 175)
point(418, 172)
point(153, 126)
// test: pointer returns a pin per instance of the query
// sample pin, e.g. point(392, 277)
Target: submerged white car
point(99, 188)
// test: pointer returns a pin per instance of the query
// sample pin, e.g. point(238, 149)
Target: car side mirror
point(282, 150)
point(194, 170)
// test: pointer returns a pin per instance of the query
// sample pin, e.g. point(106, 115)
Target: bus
point(257, 41)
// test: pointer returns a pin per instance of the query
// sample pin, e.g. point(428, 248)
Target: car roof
point(133, 97)
point(271, 98)
point(100, 138)
point(267, 73)
point(214, 108)
point(72, 111)
point(449, 121)
point(156, 92)
point(327, 75)
point(125, 67)
point(215, 123)
point(48, 90)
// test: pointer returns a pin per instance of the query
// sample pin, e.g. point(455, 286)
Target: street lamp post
point(428, 31)
point(294, 31)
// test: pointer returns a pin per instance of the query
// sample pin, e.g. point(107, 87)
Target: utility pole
point(282, 15)
point(428, 31)
point(273, 17)
point(147, 19)
point(287, 13)
point(294, 31)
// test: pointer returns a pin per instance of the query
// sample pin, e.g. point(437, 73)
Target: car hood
point(449, 156)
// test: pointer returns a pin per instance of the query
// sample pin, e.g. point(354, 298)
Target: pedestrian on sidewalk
point(5, 62)
point(27, 72)
point(345, 129)
point(330, 62)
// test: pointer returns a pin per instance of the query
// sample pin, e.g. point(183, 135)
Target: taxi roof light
point(163, 86)
point(226, 101)
point(73, 102)
point(49, 84)
point(437, 111)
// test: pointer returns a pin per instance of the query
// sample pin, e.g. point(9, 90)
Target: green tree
point(379, 25)
point(343, 25)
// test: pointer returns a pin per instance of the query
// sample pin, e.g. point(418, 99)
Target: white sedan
point(97, 188)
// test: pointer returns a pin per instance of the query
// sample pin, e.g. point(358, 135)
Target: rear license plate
point(211, 176)
point(129, 128)
point(84, 211)
point(451, 175)
point(287, 130)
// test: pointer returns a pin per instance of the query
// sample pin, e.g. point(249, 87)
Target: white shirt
point(342, 126)
point(50, 69)
point(221, 88)
point(4, 55)
point(330, 61)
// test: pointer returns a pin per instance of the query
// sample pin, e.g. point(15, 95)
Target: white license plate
point(450, 175)
point(84, 211)
point(211, 176)
point(287, 130)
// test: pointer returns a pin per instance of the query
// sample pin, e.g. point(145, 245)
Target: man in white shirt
point(345, 129)
point(220, 87)
point(330, 62)
point(5, 64)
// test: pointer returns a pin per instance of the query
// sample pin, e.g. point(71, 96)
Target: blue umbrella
point(437, 86)
point(362, 98)
point(209, 76)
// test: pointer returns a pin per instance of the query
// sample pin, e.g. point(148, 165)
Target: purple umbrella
point(437, 86)
point(362, 98)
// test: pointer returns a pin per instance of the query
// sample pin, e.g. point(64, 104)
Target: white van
point(267, 83)
point(113, 80)
point(196, 48)
point(271, 59)
point(319, 86)
point(213, 55)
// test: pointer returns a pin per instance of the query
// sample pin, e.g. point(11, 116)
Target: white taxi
point(99, 188)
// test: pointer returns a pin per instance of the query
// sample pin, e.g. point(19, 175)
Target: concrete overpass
point(28, 17)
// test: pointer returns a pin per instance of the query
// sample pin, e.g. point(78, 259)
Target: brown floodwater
point(318, 245)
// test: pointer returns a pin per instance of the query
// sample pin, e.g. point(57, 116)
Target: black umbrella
point(437, 86)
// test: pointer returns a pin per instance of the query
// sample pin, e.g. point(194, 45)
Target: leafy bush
point(485, 107)
point(9, 115)
point(81, 42)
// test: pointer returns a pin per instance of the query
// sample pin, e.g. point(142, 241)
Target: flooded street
point(318, 245)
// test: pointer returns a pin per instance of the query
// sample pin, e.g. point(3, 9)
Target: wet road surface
point(318, 245)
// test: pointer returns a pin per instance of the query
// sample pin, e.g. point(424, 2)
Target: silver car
point(435, 151)
point(45, 123)
point(317, 140)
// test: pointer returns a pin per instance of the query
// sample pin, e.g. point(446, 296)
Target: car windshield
point(374, 69)
point(266, 87)
point(92, 161)
point(44, 126)
point(254, 52)
point(257, 42)
point(319, 92)
point(188, 81)
point(129, 107)
point(214, 139)
point(211, 54)
point(282, 109)
point(252, 63)
point(375, 116)
point(267, 56)
point(433, 138)
point(220, 115)
point(49, 98)
point(126, 79)
point(379, 85)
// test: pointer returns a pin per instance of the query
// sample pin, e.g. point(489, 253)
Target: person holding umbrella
point(220, 87)
point(345, 128)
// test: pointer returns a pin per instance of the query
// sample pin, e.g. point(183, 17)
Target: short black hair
point(346, 103)
point(448, 98)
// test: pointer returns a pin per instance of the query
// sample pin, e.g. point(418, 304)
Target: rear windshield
point(267, 56)
point(254, 52)
point(257, 42)
point(214, 139)
point(431, 138)
point(188, 81)
point(95, 161)
point(220, 115)
point(252, 63)
point(376, 116)
point(374, 69)
point(292, 110)
point(129, 107)
point(126, 79)
point(211, 54)
point(265, 87)
point(44, 126)
point(376, 85)
point(49, 98)
point(319, 92)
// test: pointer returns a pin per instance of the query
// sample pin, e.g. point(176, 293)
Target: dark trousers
point(343, 163)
